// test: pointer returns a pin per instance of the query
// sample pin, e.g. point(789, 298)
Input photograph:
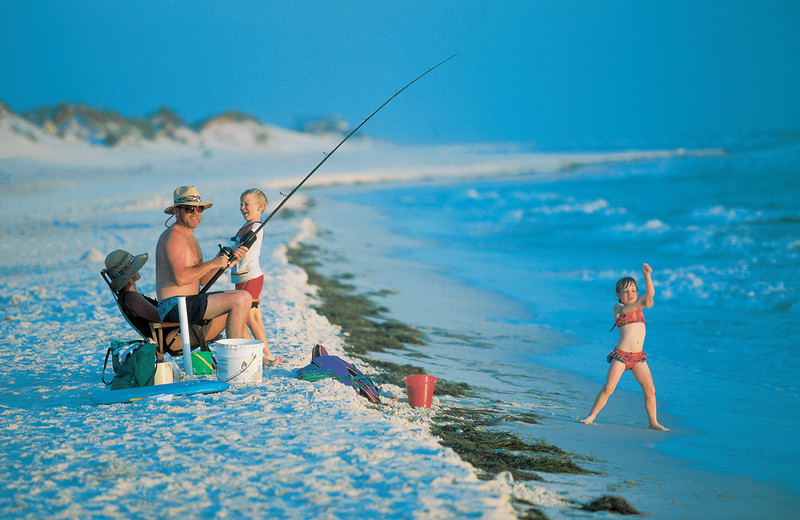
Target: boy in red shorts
point(247, 274)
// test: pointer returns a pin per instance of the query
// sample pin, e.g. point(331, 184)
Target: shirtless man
point(180, 271)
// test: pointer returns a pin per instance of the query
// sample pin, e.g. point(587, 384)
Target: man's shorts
point(195, 308)
point(254, 287)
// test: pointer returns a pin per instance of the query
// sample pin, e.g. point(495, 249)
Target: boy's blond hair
point(258, 194)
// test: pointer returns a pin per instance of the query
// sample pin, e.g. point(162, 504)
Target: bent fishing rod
point(249, 238)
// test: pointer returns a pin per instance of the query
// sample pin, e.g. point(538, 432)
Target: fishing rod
point(249, 238)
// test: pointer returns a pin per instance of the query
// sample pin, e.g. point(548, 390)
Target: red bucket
point(420, 390)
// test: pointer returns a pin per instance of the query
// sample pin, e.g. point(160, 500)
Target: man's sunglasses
point(190, 209)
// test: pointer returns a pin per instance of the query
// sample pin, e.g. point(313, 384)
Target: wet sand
point(486, 340)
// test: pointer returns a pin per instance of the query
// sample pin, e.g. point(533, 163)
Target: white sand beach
point(283, 448)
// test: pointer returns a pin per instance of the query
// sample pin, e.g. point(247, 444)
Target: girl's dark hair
point(626, 281)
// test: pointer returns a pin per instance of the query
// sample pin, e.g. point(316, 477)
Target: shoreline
point(56, 304)
point(494, 438)
point(464, 421)
point(649, 478)
point(274, 449)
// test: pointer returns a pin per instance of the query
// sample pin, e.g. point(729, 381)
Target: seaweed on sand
point(459, 428)
point(485, 416)
point(492, 451)
point(368, 330)
point(531, 514)
point(612, 504)
point(472, 432)
point(366, 327)
point(393, 373)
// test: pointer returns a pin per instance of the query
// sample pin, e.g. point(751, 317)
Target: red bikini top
point(636, 316)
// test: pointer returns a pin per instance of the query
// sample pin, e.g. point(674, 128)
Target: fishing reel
point(227, 252)
point(247, 240)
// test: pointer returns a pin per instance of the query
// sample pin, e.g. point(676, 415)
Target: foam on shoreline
point(470, 343)
point(269, 452)
point(283, 447)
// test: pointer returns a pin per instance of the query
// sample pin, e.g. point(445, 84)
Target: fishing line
point(250, 237)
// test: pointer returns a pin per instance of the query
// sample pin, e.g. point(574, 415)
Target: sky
point(532, 72)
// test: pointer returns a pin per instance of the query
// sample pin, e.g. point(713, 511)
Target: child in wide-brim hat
point(122, 267)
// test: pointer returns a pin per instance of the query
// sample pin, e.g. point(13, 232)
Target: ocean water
point(722, 234)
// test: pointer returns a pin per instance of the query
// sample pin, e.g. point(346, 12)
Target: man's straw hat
point(187, 196)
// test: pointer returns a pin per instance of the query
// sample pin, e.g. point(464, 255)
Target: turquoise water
point(722, 233)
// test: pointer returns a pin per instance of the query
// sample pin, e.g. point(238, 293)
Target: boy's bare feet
point(588, 420)
point(656, 426)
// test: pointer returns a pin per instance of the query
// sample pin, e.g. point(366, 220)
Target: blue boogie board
point(127, 395)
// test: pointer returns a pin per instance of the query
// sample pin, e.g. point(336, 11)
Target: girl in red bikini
point(629, 353)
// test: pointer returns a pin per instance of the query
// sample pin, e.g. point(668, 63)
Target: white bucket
point(239, 360)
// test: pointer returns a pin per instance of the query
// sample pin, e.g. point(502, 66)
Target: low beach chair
point(152, 331)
